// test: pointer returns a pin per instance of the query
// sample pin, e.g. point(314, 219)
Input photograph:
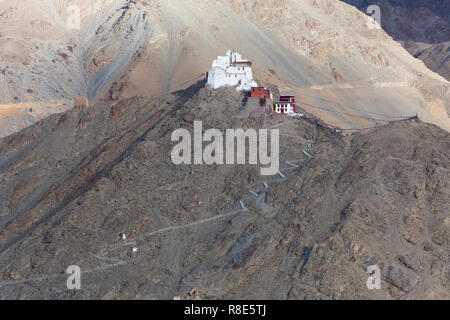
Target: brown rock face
point(435, 56)
point(377, 197)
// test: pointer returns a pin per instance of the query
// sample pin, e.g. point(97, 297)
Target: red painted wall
point(287, 99)
point(260, 92)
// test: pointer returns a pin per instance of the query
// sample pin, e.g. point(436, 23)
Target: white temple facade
point(231, 70)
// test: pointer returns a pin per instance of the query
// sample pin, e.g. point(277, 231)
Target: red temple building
point(287, 99)
point(286, 105)
point(260, 92)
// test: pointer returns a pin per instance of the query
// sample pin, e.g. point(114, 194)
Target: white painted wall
point(290, 109)
point(225, 73)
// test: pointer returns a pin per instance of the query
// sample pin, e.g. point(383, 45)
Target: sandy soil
point(15, 117)
point(128, 48)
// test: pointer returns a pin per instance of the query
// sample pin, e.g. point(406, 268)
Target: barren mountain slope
point(16, 116)
point(36, 58)
point(435, 56)
point(72, 183)
point(128, 48)
point(423, 27)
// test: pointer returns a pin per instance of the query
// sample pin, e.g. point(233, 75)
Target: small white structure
point(123, 236)
point(134, 249)
point(283, 108)
point(231, 70)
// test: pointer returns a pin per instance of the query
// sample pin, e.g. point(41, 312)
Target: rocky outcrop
point(435, 56)
point(73, 183)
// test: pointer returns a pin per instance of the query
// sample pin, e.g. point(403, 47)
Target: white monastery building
point(231, 70)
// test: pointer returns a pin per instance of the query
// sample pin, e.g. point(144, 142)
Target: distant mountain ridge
point(423, 27)
point(440, 8)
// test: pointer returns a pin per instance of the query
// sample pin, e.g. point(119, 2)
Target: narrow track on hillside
point(118, 262)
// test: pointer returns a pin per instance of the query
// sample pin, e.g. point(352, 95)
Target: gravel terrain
point(73, 183)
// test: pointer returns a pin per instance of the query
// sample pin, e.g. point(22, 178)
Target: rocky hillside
point(321, 50)
point(73, 183)
point(435, 56)
point(16, 116)
point(423, 27)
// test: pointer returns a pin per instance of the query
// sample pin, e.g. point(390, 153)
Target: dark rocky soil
point(72, 183)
